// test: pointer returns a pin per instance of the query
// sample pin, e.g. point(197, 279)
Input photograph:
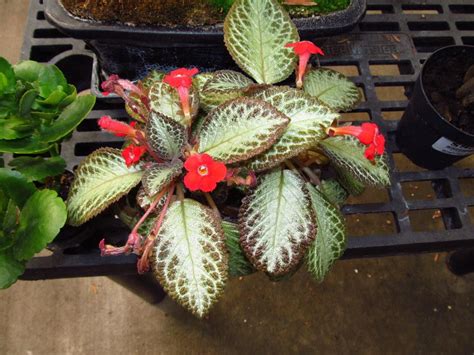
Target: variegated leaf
point(101, 179)
point(165, 136)
point(238, 263)
point(225, 85)
point(164, 99)
point(333, 191)
point(240, 129)
point(190, 257)
point(330, 240)
point(332, 89)
point(347, 153)
point(277, 222)
point(309, 120)
point(353, 186)
point(144, 201)
point(159, 176)
point(255, 33)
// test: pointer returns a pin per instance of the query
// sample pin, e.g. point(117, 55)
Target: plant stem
point(149, 210)
point(290, 165)
point(158, 224)
point(313, 178)
point(180, 192)
point(211, 203)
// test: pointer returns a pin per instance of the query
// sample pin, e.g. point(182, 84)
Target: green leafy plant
point(196, 137)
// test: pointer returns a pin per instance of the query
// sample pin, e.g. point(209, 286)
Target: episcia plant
point(198, 136)
point(38, 109)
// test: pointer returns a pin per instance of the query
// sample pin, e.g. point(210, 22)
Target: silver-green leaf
point(164, 99)
point(240, 129)
point(238, 263)
point(225, 85)
point(165, 136)
point(334, 191)
point(101, 179)
point(309, 121)
point(346, 153)
point(332, 89)
point(277, 223)
point(190, 257)
point(255, 33)
point(330, 241)
point(159, 176)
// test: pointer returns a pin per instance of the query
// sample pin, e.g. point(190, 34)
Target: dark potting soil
point(442, 81)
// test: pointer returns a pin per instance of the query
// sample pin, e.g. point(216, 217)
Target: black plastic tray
point(393, 34)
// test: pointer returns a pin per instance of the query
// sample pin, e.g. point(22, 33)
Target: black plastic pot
point(423, 134)
point(129, 51)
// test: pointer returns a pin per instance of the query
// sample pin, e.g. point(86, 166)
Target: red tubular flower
point(182, 80)
point(117, 85)
point(368, 134)
point(132, 154)
point(203, 173)
point(303, 49)
point(120, 129)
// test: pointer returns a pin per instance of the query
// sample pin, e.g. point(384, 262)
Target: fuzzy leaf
point(240, 129)
point(159, 176)
point(41, 219)
point(255, 34)
point(10, 269)
point(38, 168)
point(353, 186)
point(190, 259)
point(277, 223)
point(165, 136)
point(164, 99)
point(238, 263)
point(330, 241)
point(333, 191)
point(348, 154)
point(225, 85)
point(144, 201)
point(101, 179)
point(332, 89)
point(309, 120)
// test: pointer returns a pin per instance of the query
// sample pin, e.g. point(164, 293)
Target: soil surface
point(449, 84)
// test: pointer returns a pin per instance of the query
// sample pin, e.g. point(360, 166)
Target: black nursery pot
point(132, 51)
point(423, 134)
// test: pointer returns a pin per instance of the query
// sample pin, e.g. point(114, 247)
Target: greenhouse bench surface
point(423, 211)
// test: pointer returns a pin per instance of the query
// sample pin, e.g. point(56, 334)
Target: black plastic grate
point(422, 211)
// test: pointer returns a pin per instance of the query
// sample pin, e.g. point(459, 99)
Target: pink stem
point(304, 58)
point(183, 92)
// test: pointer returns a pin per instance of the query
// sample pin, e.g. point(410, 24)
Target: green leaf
point(190, 258)
point(238, 263)
point(10, 269)
point(38, 168)
point(50, 79)
point(28, 70)
point(240, 129)
point(225, 85)
point(330, 241)
point(353, 186)
point(144, 201)
point(166, 136)
point(164, 99)
point(277, 222)
point(14, 127)
point(152, 78)
point(71, 96)
point(69, 119)
point(9, 214)
point(28, 145)
point(200, 80)
point(308, 122)
point(26, 102)
point(54, 98)
point(332, 89)
point(101, 179)
point(7, 78)
point(158, 176)
point(255, 34)
point(347, 153)
point(333, 191)
point(16, 186)
point(41, 219)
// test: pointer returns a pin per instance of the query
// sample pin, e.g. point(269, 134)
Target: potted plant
point(442, 107)
point(227, 173)
point(38, 108)
point(130, 50)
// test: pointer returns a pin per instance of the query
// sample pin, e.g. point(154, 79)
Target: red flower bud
point(120, 129)
point(182, 80)
point(304, 50)
point(203, 172)
point(132, 154)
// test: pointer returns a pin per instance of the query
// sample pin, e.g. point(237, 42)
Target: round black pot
point(423, 134)
point(130, 51)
